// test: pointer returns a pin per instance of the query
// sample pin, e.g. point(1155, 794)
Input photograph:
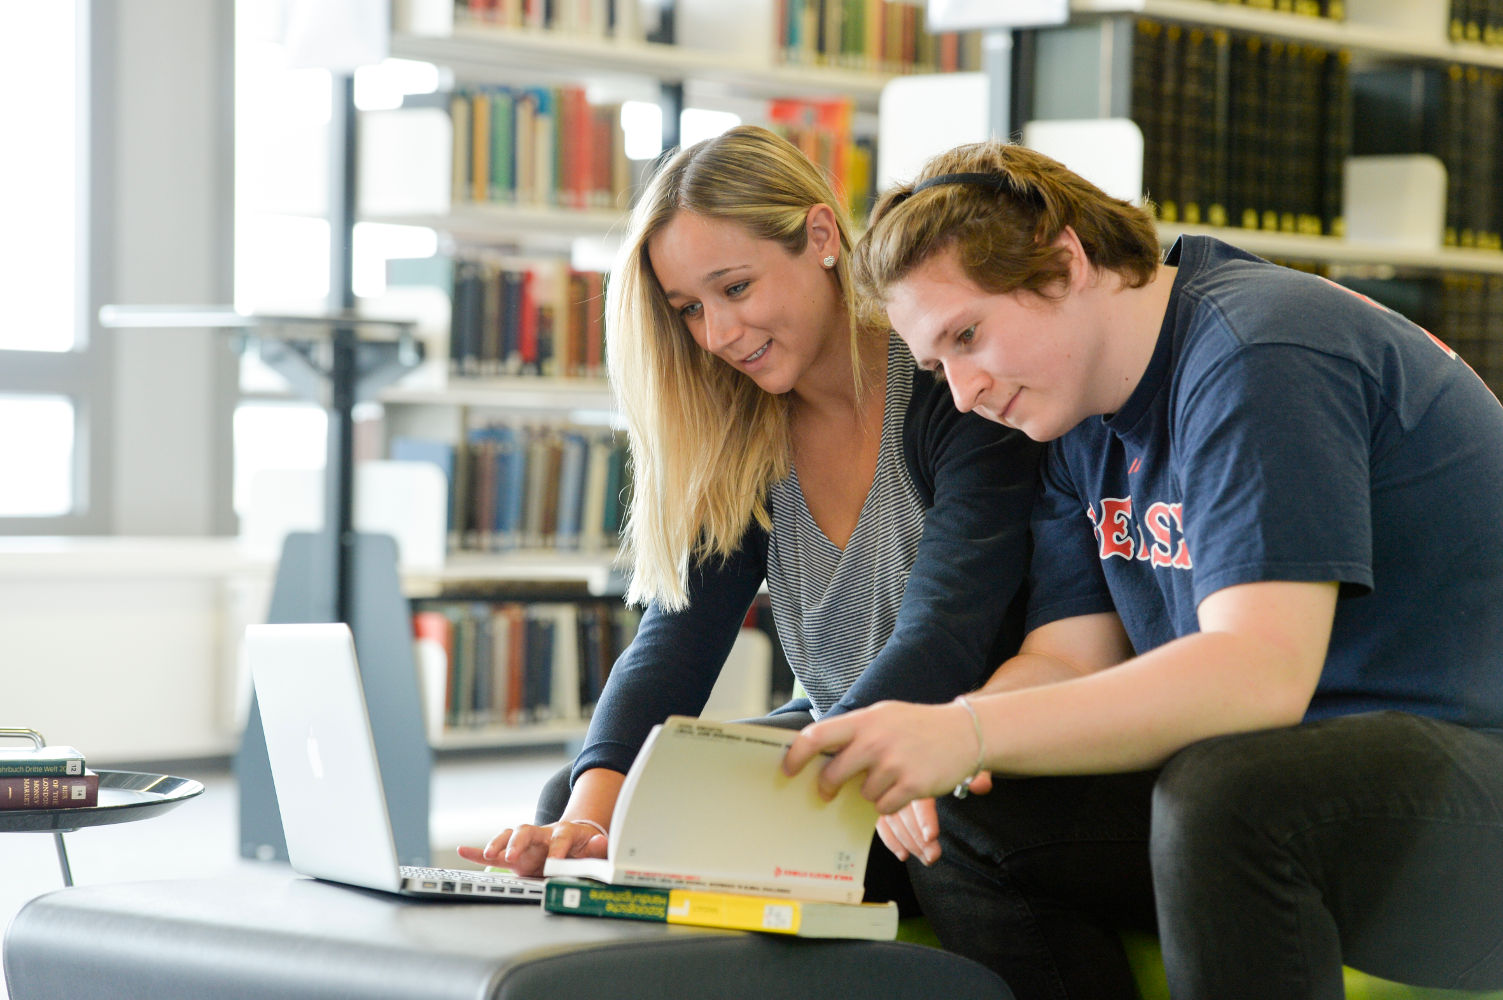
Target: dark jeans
point(886, 876)
point(1265, 861)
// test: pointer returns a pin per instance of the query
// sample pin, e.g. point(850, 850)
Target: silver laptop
point(328, 782)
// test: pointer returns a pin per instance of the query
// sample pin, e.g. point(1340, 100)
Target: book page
point(707, 804)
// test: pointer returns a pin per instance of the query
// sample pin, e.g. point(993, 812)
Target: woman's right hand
point(524, 848)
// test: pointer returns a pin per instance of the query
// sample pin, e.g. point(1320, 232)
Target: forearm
point(594, 796)
point(1136, 715)
point(1028, 670)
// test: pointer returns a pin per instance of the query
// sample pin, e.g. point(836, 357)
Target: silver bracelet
point(964, 788)
point(590, 822)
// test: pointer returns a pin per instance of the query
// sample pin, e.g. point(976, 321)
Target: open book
point(706, 805)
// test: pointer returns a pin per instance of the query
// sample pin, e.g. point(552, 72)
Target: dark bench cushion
point(255, 937)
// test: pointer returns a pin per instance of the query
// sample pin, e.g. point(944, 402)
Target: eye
point(690, 311)
point(937, 370)
point(966, 336)
point(736, 289)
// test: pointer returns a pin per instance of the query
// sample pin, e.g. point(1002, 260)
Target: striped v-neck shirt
point(835, 609)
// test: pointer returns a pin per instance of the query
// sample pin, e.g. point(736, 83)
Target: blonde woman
point(776, 437)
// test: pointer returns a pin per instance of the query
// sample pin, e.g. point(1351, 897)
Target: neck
point(828, 388)
point(1129, 320)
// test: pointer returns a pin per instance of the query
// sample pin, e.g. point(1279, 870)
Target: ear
point(1081, 268)
point(822, 231)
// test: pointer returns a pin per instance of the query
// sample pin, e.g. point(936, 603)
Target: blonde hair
point(706, 443)
point(1003, 220)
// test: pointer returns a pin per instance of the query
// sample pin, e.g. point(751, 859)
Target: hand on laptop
point(524, 848)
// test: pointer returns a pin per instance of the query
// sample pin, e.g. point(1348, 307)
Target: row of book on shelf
point(1240, 129)
point(551, 487)
point(513, 316)
point(1254, 132)
point(877, 36)
point(48, 777)
point(539, 146)
point(626, 20)
point(1334, 10)
point(513, 663)
point(882, 36)
point(1477, 21)
point(1450, 112)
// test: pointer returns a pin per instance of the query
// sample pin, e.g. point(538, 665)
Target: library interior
point(305, 322)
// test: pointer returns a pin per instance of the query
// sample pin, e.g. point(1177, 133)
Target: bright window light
point(698, 123)
point(643, 124)
point(382, 87)
point(38, 175)
point(377, 243)
point(276, 435)
point(36, 452)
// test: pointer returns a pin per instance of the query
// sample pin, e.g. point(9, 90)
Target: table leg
point(62, 858)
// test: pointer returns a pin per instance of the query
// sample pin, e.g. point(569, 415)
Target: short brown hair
point(1002, 224)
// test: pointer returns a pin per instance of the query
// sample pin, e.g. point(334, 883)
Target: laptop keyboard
point(457, 880)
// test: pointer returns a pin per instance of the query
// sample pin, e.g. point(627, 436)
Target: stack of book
point(707, 830)
point(46, 778)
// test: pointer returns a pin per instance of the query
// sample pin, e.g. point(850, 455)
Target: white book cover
point(706, 805)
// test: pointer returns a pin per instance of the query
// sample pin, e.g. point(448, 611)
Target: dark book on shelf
point(53, 791)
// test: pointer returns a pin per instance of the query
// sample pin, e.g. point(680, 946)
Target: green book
point(29, 762)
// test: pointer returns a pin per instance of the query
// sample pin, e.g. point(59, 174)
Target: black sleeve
point(962, 609)
point(672, 664)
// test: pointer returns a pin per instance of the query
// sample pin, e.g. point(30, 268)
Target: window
point(45, 363)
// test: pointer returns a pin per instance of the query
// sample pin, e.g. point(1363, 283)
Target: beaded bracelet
point(964, 788)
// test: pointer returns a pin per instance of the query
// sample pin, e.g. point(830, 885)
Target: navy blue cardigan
point(962, 609)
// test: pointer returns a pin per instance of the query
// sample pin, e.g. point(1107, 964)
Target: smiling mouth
point(753, 356)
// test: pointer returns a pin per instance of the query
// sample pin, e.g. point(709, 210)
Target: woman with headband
point(776, 435)
point(1259, 705)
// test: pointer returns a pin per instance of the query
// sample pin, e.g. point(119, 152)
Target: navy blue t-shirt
point(1290, 429)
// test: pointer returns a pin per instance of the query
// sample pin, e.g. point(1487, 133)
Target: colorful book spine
point(516, 663)
point(50, 791)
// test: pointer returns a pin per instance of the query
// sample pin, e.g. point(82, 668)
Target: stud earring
point(829, 261)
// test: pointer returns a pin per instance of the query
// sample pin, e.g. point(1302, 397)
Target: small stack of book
point(46, 778)
point(708, 831)
point(729, 910)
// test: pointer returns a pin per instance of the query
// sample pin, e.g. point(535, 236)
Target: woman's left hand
point(907, 751)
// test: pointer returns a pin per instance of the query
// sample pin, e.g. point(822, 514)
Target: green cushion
point(1148, 969)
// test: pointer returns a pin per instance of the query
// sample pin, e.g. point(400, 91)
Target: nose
point(721, 329)
point(967, 383)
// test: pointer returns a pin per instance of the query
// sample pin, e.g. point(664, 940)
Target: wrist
point(590, 823)
point(964, 787)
